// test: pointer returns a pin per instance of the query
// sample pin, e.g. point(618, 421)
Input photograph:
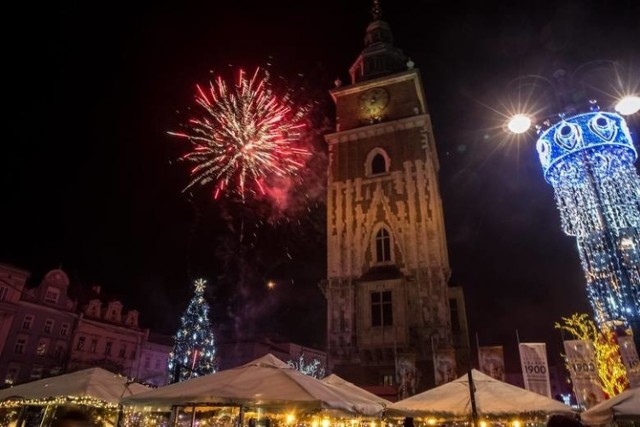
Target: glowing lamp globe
point(519, 123)
point(628, 105)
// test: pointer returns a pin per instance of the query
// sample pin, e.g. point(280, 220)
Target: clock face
point(374, 101)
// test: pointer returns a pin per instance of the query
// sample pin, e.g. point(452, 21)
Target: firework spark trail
point(245, 135)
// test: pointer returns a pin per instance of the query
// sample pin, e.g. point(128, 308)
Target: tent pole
point(241, 417)
point(472, 394)
point(173, 419)
point(193, 415)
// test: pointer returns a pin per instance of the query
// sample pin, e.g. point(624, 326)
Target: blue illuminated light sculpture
point(589, 161)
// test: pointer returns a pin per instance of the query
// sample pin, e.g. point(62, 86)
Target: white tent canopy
point(624, 405)
point(96, 383)
point(266, 382)
point(493, 397)
point(352, 389)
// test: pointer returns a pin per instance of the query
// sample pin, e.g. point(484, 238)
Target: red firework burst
point(244, 135)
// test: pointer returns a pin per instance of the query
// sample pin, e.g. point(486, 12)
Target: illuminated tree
point(611, 370)
point(194, 351)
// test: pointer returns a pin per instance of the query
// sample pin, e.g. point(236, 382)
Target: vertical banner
point(535, 369)
point(630, 360)
point(584, 375)
point(491, 360)
point(444, 366)
point(406, 372)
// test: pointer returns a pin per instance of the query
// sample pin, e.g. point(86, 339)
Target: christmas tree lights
point(589, 160)
point(194, 351)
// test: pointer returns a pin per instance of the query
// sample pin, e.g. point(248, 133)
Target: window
point(132, 356)
point(378, 164)
point(27, 322)
point(52, 295)
point(123, 351)
point(12, 373)
point(387, 380)
point(64, 329)
point(93, 345)
point(381, 309)
point(43, 344)
point(107, 349)
point(48, 326)
point(80, 345)
point(36, 372)
point(455, 318)
point(21, 345)
point(383, 246)
point(147, 362)
point(157, 366)
point(4, 293)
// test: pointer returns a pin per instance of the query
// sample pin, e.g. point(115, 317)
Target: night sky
point(89, 180)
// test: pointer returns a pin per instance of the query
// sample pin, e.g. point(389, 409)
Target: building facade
point(12, 282)
point(106, 337)
point(38, 340)
point(153, 360)
point(42, 333)
point(388, 299)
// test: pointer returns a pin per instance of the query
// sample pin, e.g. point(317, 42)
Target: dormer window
point(132, 318)
point(52, 295)
point(93, 309)
point(114, 311)
point(377, 162)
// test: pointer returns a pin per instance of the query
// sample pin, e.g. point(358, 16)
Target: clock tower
point(389, 306)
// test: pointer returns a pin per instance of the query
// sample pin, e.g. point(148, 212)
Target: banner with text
point(630, 360)
point(582, 367)
point(491, 361)
point(535, 369)
point(444, 365)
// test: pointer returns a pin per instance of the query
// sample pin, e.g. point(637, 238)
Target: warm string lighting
point(228, 417)
point(609, 366)
point(60, 400)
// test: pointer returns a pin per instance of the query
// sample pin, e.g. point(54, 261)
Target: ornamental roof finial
point(376, 10)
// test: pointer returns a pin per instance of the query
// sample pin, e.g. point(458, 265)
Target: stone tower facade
point(387, 281)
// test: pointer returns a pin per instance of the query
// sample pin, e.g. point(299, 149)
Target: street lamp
point(587, 156)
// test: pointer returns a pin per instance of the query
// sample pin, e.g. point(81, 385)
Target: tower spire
point(376, 10)
point(379, 56)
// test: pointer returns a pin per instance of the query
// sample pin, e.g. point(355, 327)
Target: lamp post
point(587, 156)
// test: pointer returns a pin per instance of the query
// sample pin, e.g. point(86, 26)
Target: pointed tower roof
point(379, 56)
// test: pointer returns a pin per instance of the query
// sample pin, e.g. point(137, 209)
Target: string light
point(589, 160)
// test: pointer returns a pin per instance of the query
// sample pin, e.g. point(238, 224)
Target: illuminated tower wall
point(388, 300)
point(589, 160)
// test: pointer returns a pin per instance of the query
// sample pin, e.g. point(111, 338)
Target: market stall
point(495, 401)
point(625, 406)
point(265, 392)
point(95, 390)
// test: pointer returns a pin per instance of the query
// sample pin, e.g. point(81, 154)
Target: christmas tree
point(194, 351)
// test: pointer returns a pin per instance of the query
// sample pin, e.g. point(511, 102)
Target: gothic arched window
point(383, 246)
point(377, 162)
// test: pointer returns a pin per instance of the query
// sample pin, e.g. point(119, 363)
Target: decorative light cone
point(589, 160)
